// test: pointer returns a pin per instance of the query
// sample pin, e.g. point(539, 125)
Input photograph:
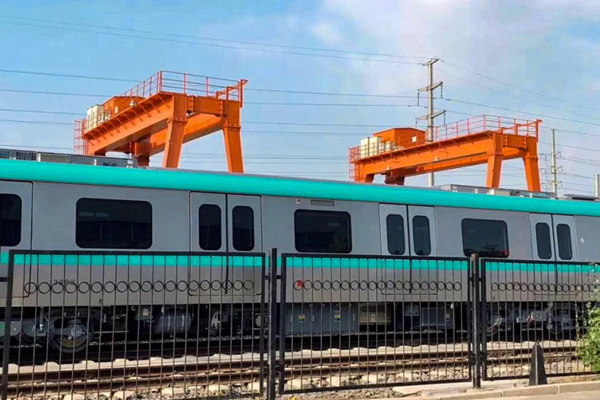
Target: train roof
point(17, 170)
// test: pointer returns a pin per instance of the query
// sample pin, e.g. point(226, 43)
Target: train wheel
point(69, 334)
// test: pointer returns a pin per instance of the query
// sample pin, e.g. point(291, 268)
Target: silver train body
point(48, 223)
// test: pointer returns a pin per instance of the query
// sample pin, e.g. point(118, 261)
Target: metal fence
point(201, 325)
point(526, 302)
point(133, 324)
point(372, 321)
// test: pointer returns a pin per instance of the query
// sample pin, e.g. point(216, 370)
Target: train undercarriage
point(71, 330)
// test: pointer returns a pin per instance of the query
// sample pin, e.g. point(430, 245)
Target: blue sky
point(534, 58)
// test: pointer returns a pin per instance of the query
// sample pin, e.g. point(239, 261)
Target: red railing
point(486, 123)
point(195, 85)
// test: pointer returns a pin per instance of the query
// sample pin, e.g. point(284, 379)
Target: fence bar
point(7, 327)
point(476, 304)
point(271, 383)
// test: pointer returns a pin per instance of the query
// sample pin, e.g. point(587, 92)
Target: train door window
point(209, 223)
point(395, 234)
point(421, 235)
point(10, 220)
point(243, 228)
point(113, 224)
point(544, 240)
point(488, 238)
point(322, 231)
point(563, 236)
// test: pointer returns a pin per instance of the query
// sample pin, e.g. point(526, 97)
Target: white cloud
point(326, 32)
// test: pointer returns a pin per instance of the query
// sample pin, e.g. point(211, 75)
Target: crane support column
point(532, 171)
point(233, 141)
point(175, 129)
point(494, 164)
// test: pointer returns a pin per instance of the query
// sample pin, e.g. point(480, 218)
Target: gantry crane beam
point(458, 149)
point(162, 121)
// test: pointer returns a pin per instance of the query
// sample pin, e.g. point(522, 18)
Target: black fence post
point(476, 305)
point(7, 324)
point(282, 299)
point(272, 367)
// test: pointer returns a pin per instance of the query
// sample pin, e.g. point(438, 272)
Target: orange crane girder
point(489, 146)
point(157, 121)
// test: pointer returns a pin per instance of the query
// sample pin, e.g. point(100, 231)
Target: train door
point(394, 230)
point(15, 231)
point(208, 212)
point(553, 237)
point(565, 237)
point(542, 237)
point(245, 268)
point(427, 273)
point(244, 233)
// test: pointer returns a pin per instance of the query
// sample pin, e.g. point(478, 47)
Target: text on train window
point(563, 237)
point(322, 231)
point(243, 228)
point(543, 239)
point(421, 235)
point(10, 220)
point(113, 224)
point(210, 230)
point(487, 238)
point(395, 234)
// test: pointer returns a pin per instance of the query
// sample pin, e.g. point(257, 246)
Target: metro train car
point(52, 206)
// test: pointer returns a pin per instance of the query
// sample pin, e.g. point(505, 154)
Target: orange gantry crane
point(163, 112)
point(401, 152)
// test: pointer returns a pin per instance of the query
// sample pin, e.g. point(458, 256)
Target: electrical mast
point(553, 167)
point(431, 115)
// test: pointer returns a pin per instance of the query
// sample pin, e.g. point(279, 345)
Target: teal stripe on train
point(148, 261)
point(507, 266)
point(374, 263)
point(242, 261)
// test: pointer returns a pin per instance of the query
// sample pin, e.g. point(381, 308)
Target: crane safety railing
point(191, 84)
point(485, 124)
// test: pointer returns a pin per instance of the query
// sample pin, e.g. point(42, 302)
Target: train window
point(10, 220)
point(563, 236)
point(322, 231)
point(488, 238)
point(395, 234)
point(421, 235)
point(243, 228)
point(113, 224)
point(543, 240)
point(209, 223)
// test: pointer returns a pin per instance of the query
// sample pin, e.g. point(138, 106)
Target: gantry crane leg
point(494, 164)
point(233, 146)
point(175, 131)
point(532, 171)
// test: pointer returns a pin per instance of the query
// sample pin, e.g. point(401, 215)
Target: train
point(74, 208)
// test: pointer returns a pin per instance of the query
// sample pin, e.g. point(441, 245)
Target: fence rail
point(200, 325)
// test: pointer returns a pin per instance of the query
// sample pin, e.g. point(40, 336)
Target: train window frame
point(236, 234)
point(140, 244)
point(469, 251)
point(426, 244)
point(392, 227)
point(207, 245)
point(10, 225)
point(542, 252)
point(568, 241)
point(320, 216)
